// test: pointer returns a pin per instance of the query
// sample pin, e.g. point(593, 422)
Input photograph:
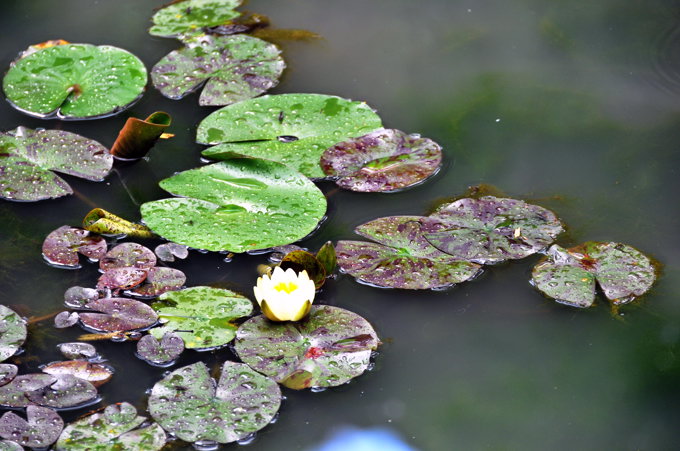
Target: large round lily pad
point(382, 161)
point(117, 427)
point(187, 403)
point(28, 157)
point(118, 315)
point(403, 259)
point(327, 348)
point(201, 316)
point(569, 275)
point(237, 205)
point(190, 16)
point(75, 81)
point(490, 229)
point(12, 332)
point(40, 429)
point(233, 68)
point(294, 129)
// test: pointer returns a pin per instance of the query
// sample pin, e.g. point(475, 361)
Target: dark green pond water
point(571, 105)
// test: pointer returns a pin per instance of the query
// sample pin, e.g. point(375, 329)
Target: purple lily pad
point(569, 275)
point(382, 161)
point(327, 348)
point(118, 315)
point(188, 404)
point(95, 373)
point(66, 319)
point(13, 394)
point(78, 350)
point(121, 278)
point(160, 353)
point(61, 247)
point(128, 255)
point(40, 429)
point(78, 297)
point(117, 427)
point(233, 68)
point(12, 332)
point(66, 392)
point(168, 251)
point(490, 229)
point(402, 259)
point(8, 445)
point(160, 280)
point(28, 157)
point(7, 373)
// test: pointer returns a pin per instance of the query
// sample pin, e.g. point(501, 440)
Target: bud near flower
point(286, 295)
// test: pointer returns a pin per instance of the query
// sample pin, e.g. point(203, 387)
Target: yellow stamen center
point(288, 287)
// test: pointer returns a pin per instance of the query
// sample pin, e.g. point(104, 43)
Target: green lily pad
point(189, 16)
point(117, 427)
point(12, 332)
point(490, 229)
point(201, 316)
point(382, 161)
point(233, 68)
point(75, 81)
point(187, 403)
point(327, 348)
point(569, 275)
point(293, 129)
point(62, 246)
point(237, 205)
point(402, 259)
point(40, 429)
point(28, 157)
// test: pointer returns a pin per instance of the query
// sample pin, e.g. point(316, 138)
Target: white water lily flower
point(286, 295)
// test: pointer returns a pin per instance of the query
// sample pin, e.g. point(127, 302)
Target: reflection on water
point(571, 105)
point(363, 440)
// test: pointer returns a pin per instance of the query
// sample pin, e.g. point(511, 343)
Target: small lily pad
point(61, 247)
point(77, 297)
point(490, 230)
point(128, 255)
point(59, 392)
point(233, 68)
point(385, 160)
point(118, 315)
point(75, 81)
point(168, 251)
point(237, 205)
point(121, 278)
point(186, 403)
point(12, 332)
point(78, 350)
point(569, 275)
point(327, 348)
point(7, 373)
point(158, 281)
point(190, 16)
point(66, 319)
point(160, 352)
point(29, 157)
point(117, 427)
point(95, 373)
point(402, 259)
point(201, 316)
point(40, 429)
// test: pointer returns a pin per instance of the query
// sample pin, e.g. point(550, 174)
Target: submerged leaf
point(189, 16)
point(489, 230)
point(327, 348)
point(12, 332)
point(201, 316)
point(237, 205)
point(75, 81)
point(233, 68)
point(40, 429)
point(162, 352)
point(403, 259)
point(28, 157)
point(61, 247)
point(138, 136)
point(187, 403)
point(382, 161)
point(568, 275)
point(114, 428)
point(105, 223)
point(118, 315)
point(293, 129)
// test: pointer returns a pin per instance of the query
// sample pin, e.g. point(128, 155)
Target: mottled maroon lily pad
point(78, 350)
point(28, 157)
point(490, 229)
point(233, 68)
point(188, 404)
point(402, 259)
point(59, 392)
point(66, 319)
point(118, 315)
point(382, 161)
point(7, 373)
point(12, 332)
point(128, 255)
point(95, 373)
point(300, 261)
point(40, 429)
point(568, 275)
point(121, 278)
point(78, 297)
point(160, 280)
point(161, 352)
point(61, 247)
point(167, 252)
point(327, 348)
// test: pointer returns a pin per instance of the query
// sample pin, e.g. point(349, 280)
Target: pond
point(574, 106)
